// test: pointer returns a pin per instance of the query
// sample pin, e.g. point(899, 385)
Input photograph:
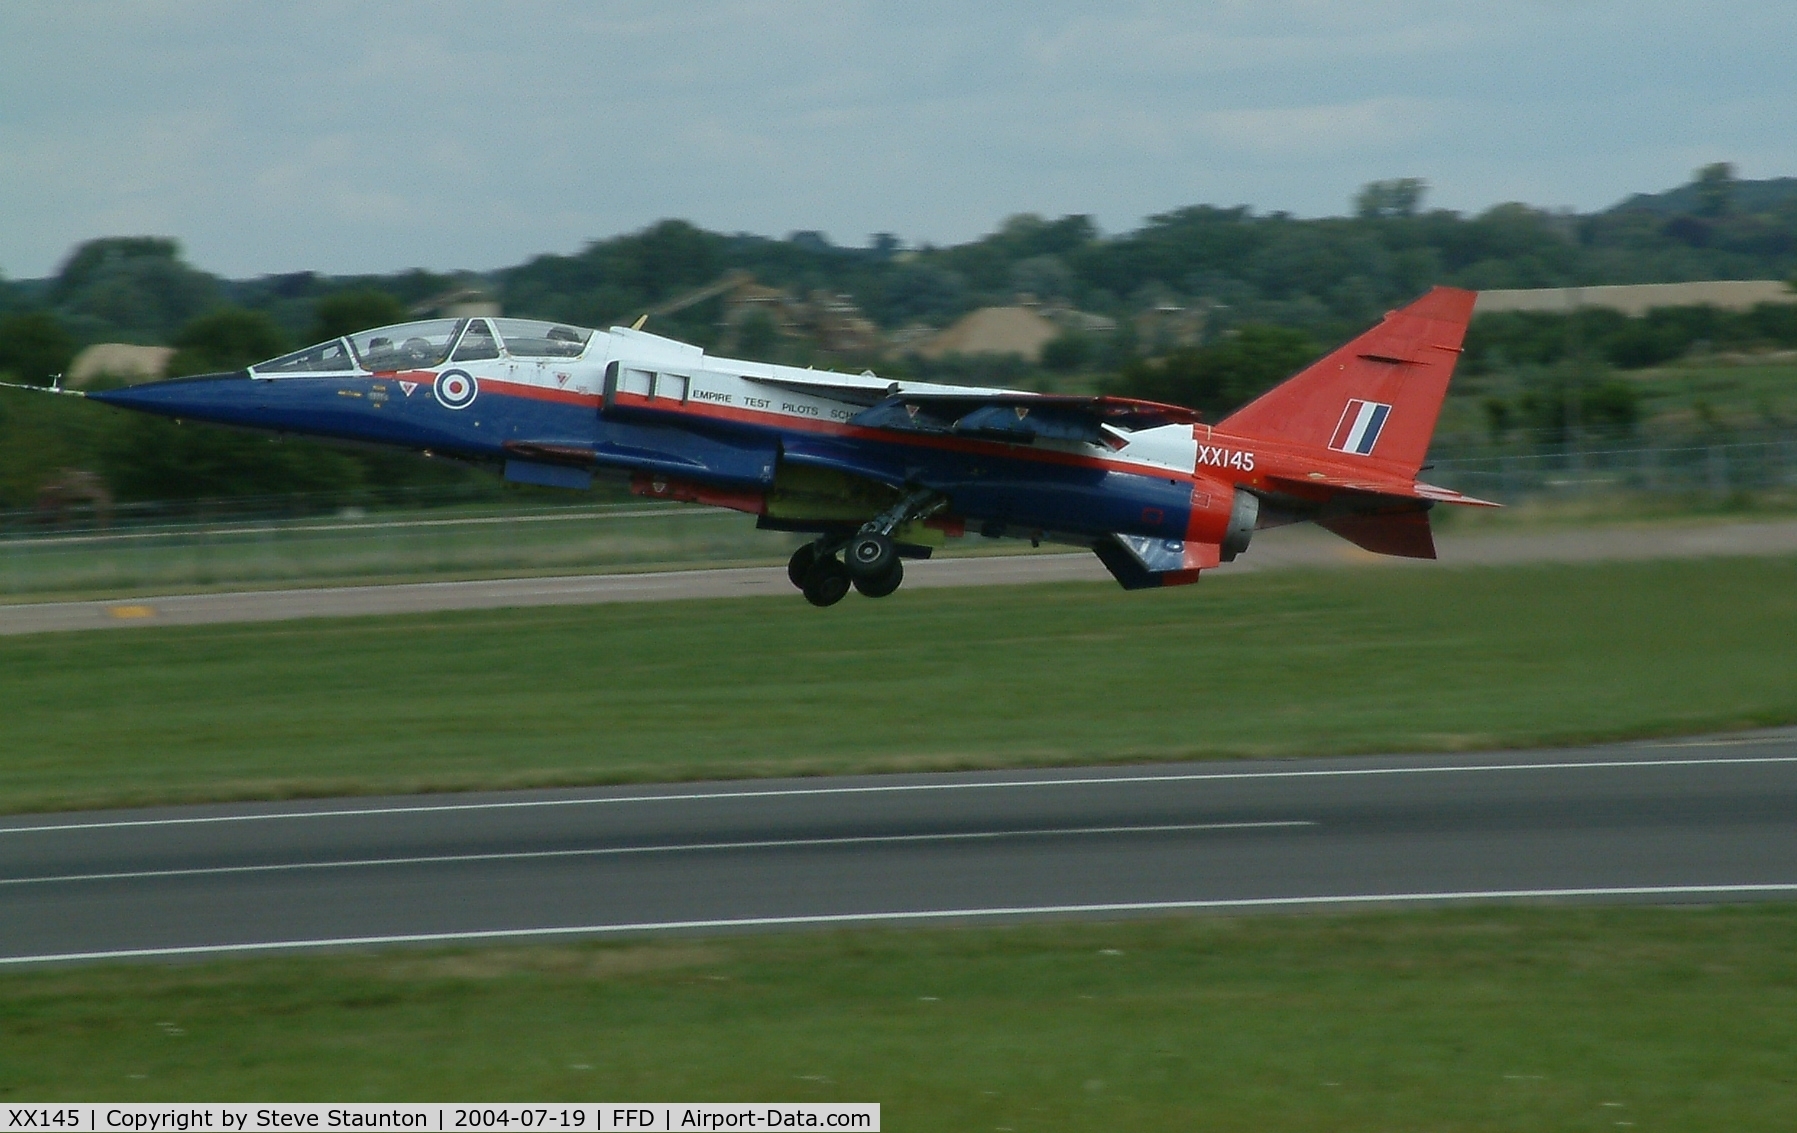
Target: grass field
point(380, 547)
point(1461, 1019)
point(1703, 391)
point(388, 546)
point(1285, 663)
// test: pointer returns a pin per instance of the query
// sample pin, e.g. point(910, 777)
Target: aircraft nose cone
point(178, 396)
point(206, 397)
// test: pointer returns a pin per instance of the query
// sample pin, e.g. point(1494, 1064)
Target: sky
point(347, 136)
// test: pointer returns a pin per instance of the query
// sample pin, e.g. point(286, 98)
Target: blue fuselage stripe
point(984, 482)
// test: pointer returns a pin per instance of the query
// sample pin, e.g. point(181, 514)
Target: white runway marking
point(678, 848)
point(900, 788)
point(1335, 900)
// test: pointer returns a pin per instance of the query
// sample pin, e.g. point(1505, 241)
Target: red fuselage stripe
point(1274, 460)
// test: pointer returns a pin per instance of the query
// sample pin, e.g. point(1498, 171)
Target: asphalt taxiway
point(1707, 820)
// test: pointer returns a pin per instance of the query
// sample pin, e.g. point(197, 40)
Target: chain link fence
point(188, 546)
point(1715, 470)
point(447, 533)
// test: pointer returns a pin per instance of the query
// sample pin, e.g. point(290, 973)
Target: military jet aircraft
point(881, 471)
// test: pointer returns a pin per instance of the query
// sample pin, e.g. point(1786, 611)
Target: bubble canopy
point(429, 343)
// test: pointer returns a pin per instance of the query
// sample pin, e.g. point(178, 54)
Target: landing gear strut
point(870, 559)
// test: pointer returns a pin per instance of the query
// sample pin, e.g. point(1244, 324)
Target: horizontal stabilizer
point(1318, 485)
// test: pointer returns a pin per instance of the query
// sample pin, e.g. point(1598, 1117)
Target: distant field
point(1688, 396)
point(1286, 663)
point(1698, 392)
point(1466, 1019)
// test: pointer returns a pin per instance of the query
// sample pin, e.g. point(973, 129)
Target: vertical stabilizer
point(1376, 398)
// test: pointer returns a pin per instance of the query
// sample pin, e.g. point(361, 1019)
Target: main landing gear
point(870, 559)
point(826, 579)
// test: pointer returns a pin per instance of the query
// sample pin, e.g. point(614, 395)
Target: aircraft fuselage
point(880, 469)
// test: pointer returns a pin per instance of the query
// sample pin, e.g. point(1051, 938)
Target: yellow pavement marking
point(132, 611)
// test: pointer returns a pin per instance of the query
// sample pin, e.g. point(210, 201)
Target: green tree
point(1499, 419)
point(1381, 200)
point(1715, 185)
point(1066, 352)
point(130, 286)
point(756, 336)
point(1045, 277)
point(1217, 378)
point(226, 339)
point(347, 312)
point(34, 347)
point(1605, 405)
point(149, 458)
point(918, 292)
point(92, 260)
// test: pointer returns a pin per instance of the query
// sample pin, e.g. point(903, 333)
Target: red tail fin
point(1376, 397)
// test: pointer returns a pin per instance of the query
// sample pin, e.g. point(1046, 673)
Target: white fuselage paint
point(686, 377)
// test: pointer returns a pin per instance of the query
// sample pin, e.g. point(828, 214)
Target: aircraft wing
point(931, 408)
point(1021, 418)
point(864, 390)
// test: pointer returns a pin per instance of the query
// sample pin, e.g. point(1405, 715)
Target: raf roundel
point(455, 389)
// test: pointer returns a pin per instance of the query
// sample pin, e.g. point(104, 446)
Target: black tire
point(870, 556)
point(885, 584)
point(827, 582)
point(800, 564)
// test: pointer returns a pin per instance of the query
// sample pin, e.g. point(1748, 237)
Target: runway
point(1300, 546)
point(1677, 821)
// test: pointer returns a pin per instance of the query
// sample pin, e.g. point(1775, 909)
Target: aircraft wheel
point(800, 564)
point(885, 584)
point(827, 582)
point(870, 556)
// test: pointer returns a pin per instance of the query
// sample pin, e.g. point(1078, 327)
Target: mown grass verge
point(1467, 1019)
point(1287, 663)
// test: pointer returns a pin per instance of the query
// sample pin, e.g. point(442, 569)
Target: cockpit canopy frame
point(425, 344)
